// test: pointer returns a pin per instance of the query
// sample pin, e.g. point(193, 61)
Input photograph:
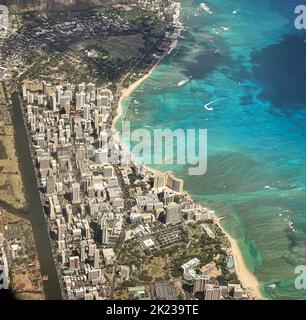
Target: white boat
point(225, 29)
point(182, 82)
point(270, 188)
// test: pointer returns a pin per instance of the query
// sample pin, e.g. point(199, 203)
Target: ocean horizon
point(248, 60)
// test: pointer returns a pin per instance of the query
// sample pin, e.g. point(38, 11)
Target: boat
point(182, 82)
point(225, 29)
point(270, 188)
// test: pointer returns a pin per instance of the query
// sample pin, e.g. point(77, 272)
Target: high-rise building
point(82, 87)
point(61, 229)
point(97, 259)
point(159, 181)
point(102, 101)
point(83, 250)
point(51, 209)
point(24, 91)
point(30, 97)
point(69, 215)
point(81, 153)
point(108, 172)
point(213, 292)
point(91, 87)
point(173, 213)
point(1, 239)
point(74, 263)
point(68, 93)
point(40, 99)
point(106, 93)
point(177, 185)
point(167, 179)
point(97, 119)
point(87, 112)
point(63, 257)
point(64, 101)
point(91, 249)
point(4, 271)
point(235, 290)
point(80, 100)
point(101, 156)
point(53, 102)
point(50, 185)
point(199, 284)
point(76, 193)
point(104, 231)
point(94, 275)
point(86, 229)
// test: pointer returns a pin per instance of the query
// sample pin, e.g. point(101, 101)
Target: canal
point(35, 212)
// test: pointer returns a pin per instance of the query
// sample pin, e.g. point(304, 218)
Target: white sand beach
point(247, 279)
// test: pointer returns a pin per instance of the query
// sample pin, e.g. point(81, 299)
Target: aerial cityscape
point(150, 151)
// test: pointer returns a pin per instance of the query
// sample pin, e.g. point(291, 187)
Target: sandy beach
point(247, 279)
point(127, 92)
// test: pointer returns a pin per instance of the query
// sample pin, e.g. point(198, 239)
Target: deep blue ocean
point(249, 54)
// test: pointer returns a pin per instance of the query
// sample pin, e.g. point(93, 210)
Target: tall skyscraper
point(199, 284)
point(61, 229)
point(104, 231)
point(83, 250)
point(80, 100)
point(74, 263)
point(51, 209)
point(87, 112)
point(102, 101)
point(64, 101)
point(212, 292)
point(173, 213)
point(53, 102)
point(50, 185)
point(101, 156)
point(76, 193)
point(82, 87)
point(97, 120)
point(97, 259)
point(4, 271)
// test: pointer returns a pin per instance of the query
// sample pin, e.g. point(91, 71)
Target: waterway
point(35, 213)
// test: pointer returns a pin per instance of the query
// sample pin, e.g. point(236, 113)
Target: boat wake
point(207, 106)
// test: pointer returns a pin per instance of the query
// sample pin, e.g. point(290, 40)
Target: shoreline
point(248, 280)
point(127, 92)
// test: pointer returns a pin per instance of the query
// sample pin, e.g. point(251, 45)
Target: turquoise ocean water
point(249, 54)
